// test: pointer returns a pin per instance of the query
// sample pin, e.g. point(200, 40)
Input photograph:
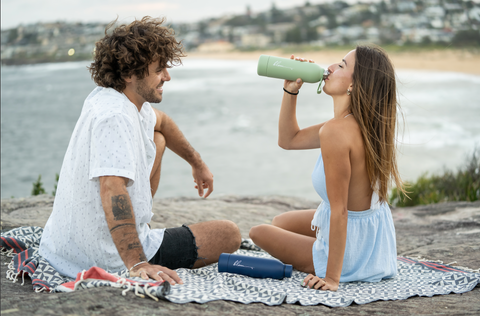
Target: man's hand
point(203, 179)
point(314, 282)
point(156, 272)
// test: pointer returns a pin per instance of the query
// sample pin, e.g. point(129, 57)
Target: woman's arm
point(290, 136)
point(336, 159)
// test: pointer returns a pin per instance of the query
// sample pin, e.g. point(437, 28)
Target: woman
point(350, 237)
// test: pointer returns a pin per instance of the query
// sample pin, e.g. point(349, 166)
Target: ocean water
point(230, 115)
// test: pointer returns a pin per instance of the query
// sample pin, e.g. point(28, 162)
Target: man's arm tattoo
point(121, 225)
point(121, 207)
point(142, 257)
point(134, 245)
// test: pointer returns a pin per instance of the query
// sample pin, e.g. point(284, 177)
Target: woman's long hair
point(374, 105)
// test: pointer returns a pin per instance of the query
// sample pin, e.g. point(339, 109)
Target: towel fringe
point(43, 289)
point(424, 259)
point(137, 287)
point(121, 283)
point(82, 276)
point(145, 289)
point(129, 287)
point(11, 274)
point(441, 262)
point(7, 252)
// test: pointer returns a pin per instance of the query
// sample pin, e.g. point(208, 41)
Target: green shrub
point(38, 186)
point(464, 185)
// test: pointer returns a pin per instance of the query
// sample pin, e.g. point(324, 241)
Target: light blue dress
point(370, 250)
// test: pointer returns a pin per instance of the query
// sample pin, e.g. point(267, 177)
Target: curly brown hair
point(129, 49)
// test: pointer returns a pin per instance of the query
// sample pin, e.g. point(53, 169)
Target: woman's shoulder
point(340, 132)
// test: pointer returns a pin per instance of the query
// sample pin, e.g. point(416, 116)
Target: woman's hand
point(314, 282)
point(294, 86)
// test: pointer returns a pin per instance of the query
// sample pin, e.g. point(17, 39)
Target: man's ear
point(128, 79)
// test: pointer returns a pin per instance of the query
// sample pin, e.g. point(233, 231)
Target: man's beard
point(147, 93)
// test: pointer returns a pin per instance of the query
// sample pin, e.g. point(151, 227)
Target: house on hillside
point(220, 46)
point(278, 31)
point(257, 40)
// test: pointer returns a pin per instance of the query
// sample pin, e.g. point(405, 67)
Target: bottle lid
point(223, 262)
point(288, 270)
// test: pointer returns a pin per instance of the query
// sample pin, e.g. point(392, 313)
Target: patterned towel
point(415, 277)
point(22, 244)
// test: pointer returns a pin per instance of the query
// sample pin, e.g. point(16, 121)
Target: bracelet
point(291, 92)
point(137, 264)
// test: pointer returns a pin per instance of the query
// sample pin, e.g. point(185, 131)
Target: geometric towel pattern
point(22, 244)
point(414, 278)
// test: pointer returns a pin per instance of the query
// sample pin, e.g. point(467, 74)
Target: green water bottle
point(291, 69)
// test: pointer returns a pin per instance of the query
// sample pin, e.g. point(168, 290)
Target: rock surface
point(447, 232)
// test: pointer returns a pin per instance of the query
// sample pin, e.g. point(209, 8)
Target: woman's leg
point(296, 221)
point(287, 246)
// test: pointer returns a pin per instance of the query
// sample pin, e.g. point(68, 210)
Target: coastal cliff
point(447, 232)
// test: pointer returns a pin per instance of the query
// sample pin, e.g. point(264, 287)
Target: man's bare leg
point(160, 143)
point(213, 238)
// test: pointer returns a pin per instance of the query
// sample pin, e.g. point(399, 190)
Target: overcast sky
point(16, 12)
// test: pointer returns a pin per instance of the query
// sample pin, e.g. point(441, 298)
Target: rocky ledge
point(448, 232)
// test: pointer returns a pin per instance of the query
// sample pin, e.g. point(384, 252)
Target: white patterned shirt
point(111, 138)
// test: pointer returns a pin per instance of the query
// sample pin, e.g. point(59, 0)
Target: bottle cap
point(223, 262)
point(287, 271)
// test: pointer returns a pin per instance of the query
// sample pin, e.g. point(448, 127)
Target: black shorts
point(178, 249)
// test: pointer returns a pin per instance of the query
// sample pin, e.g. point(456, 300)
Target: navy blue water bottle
point(254, 267)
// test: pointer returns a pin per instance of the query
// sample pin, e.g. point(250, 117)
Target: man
point(111, 169)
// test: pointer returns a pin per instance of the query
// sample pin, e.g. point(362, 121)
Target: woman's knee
point(279, 220)
point(256, 232)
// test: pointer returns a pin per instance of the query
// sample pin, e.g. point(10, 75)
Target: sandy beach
point(437, 60)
